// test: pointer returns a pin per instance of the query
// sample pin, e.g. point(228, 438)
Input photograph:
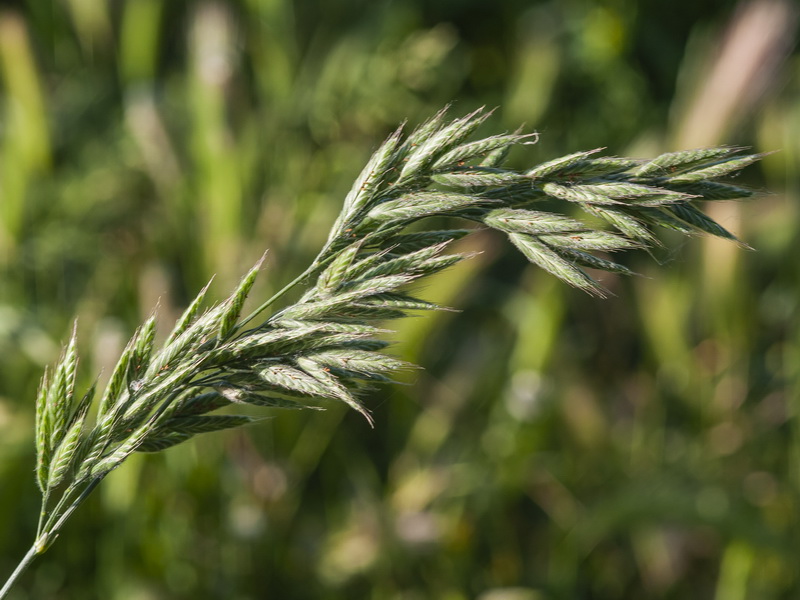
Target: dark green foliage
point(553, 446)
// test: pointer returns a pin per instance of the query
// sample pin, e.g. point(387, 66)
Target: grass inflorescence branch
point(326, 346)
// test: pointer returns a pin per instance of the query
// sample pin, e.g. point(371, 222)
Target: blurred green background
point(555, 447)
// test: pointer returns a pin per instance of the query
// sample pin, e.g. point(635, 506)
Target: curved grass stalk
point(323, 347)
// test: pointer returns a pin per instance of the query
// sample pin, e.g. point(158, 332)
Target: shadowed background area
point(556, 446)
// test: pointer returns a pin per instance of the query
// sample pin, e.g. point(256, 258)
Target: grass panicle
point(326, 346)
